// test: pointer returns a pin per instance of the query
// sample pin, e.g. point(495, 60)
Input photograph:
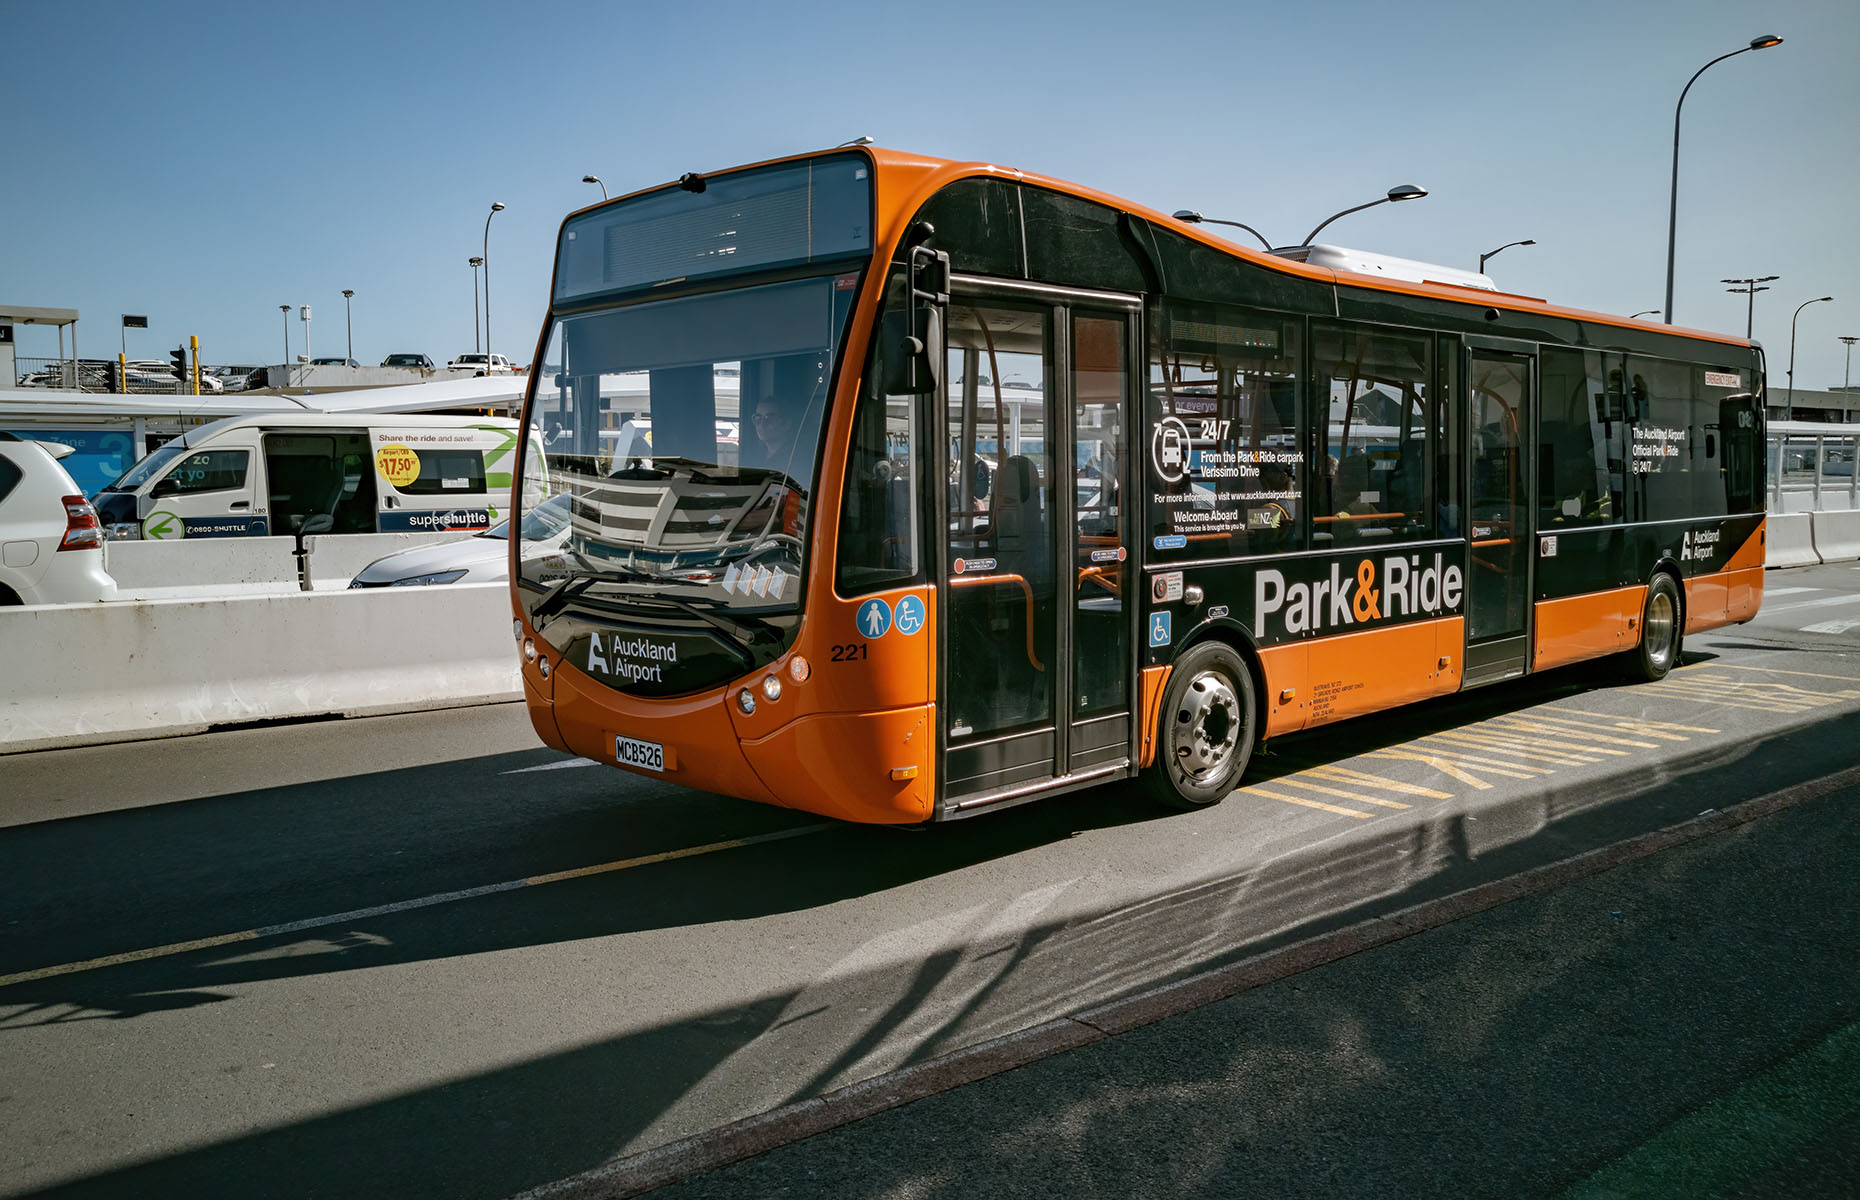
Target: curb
point(674, 1161)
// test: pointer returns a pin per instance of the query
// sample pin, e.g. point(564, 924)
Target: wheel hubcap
point(1660, 621)
point(1206, 728)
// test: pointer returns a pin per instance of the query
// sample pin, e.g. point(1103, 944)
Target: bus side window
point(878, 541)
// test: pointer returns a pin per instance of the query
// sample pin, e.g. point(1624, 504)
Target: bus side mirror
point(164, 487)
point(911, 352)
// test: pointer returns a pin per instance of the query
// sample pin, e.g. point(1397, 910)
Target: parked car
point(337, 361)
point(51, 543)
point(233, 379)
point(482, 364)
point(408, 360)
point(481, 558)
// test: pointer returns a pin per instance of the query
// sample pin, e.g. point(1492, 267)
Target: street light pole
point(1848, 375)
point(476, 262)
point(596, 179)
point(1789, 402)
point(348, 321)
point(1672, 209)
point(1396, 195)
point(286, 310)
point(1506, 246)
point(495, 209)
point(1194, 218)
point(1751, 288)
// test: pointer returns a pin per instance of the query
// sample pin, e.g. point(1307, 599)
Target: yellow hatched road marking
point(1618, 726)
point(1525, 725)
point(1495, 745)
point(1294, 781)
point(1538, 742)
point(1780, 671)
point(1633, 724)
point(1475, 762)
point(1444, 766)
point(1256, 790)
point(1405, 789)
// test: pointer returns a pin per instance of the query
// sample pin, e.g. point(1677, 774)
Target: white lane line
point(554, 766)
point(1829, 602)
point(380, 910)
point(1770, 591)
point(1831, 627)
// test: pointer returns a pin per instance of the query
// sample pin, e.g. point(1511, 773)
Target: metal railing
point(146, 378)
point(1812, 467)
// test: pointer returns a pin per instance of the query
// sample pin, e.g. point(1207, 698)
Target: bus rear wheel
point(1205, 731)
point(1661, 632)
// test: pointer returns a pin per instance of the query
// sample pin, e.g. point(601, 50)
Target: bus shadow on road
point(919, 986)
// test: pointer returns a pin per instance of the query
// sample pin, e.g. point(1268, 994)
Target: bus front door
point(1036, 652)
point(1498, 586)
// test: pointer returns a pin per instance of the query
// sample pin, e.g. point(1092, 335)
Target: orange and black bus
point(899, 489)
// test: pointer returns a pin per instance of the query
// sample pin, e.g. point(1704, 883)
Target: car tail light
point(82, 529)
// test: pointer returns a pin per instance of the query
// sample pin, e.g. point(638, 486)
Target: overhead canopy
point(19, 314)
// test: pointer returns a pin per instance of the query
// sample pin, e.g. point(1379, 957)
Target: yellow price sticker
point(397, 464)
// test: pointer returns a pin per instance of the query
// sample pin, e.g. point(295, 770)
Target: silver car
point(481, 558)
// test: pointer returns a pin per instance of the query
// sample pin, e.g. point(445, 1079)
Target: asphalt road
point(420, 955)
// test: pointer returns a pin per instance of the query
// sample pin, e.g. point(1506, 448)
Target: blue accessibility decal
point(909, 615)
point(1159, 629)
point(1170, 541)
point(874, 618)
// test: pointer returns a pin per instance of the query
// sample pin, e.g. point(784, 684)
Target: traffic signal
point(179, 355)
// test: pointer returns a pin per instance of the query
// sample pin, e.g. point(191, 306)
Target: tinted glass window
point(9, 477)
point(1376, 392)
point(978, 222)
point(798, 212)
point(878, 542)
point(1581, 443)
point(1227, 464)
point(209, 471)
point(1077, 242)
point(443, 471)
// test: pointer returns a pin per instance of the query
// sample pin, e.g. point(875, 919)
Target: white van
point(265, 475)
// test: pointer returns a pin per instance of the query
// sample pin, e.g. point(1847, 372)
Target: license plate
point(631, 752)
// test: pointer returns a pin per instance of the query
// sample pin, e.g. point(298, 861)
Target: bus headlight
point(799, 669)
point(516, 627)
point(529, 650)
point(746, 700)
point(771, 687)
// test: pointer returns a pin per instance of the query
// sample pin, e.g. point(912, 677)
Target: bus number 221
point(850, 652)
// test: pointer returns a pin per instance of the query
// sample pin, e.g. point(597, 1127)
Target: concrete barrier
point(232, 565)
point(1791, 541)
point(83, 674)
point(1837, 536)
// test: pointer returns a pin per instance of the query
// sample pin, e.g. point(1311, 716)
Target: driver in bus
point(775, 432)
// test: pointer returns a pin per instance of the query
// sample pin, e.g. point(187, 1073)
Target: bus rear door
point(1036, 652)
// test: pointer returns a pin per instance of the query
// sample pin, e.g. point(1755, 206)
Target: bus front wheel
point(1661, 631)
point(1205, 730)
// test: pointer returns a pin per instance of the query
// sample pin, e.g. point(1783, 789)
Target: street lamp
point(596, 179)
point(1789, 402)
point(348, 321)
point(286, 310)
point(1194, 218)
point(476, 262)
point(1646, 312)
point(1506, 246)
point(304, 312)
point(495, 209)
point(1672, 209)
point(1848, 375)
point(1751, 288)
point(1396, 195)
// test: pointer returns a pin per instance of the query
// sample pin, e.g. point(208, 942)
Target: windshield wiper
point(559, 596)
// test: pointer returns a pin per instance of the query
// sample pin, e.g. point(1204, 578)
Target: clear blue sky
point(205, 163)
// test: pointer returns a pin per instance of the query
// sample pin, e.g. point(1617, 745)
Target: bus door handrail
point(1026, 593)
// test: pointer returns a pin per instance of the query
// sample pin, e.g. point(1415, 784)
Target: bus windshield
point(685, 434)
